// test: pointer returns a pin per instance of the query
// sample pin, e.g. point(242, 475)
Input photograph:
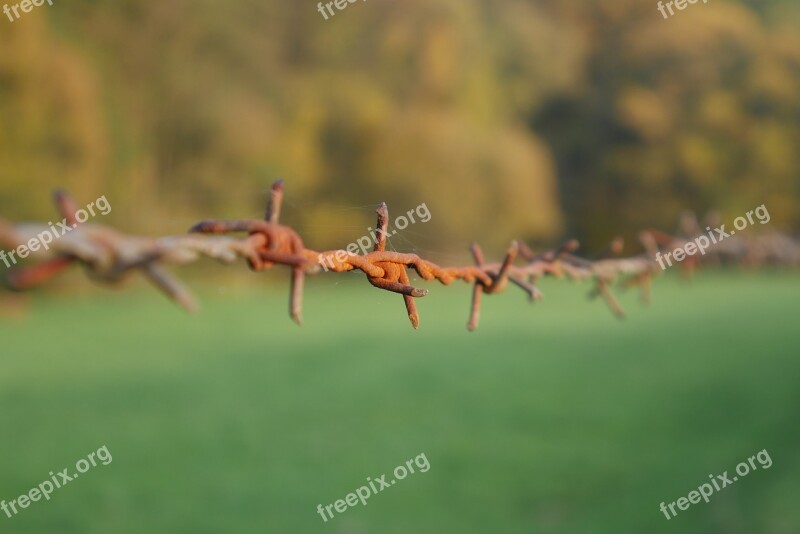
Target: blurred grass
point(551, 418)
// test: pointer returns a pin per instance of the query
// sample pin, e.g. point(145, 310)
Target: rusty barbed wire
point(274, 243)
point(109, 256)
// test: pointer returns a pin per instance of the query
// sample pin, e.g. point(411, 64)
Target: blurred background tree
point(509, 119)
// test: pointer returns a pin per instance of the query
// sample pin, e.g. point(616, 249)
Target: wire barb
point(109, 256)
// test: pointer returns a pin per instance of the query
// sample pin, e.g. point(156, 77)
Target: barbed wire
point(108, 256)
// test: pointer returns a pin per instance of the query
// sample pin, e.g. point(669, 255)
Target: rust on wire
point(110, 256)
point(271, 243)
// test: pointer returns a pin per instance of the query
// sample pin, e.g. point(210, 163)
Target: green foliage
point(571, 118)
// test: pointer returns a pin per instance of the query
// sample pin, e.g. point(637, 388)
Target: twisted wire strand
point(109, 256)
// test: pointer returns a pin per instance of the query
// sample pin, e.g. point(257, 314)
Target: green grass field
point(553, 417)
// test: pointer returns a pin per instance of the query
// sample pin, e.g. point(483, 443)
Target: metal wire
point(109, 256)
